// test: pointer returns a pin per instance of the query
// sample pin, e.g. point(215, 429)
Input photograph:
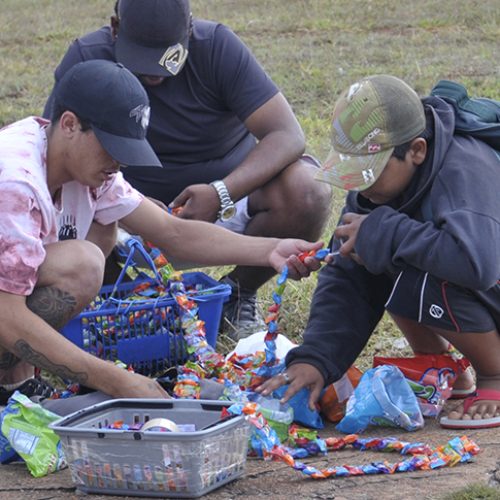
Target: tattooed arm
point(31, 337)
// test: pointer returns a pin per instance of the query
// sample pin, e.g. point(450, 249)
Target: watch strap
point(223, 193)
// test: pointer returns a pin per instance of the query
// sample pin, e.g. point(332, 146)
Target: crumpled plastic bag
point(25, 425)
point(302, 414)
point(431, 377)
point(383, 397)
point(255, 343)
point(7, 453)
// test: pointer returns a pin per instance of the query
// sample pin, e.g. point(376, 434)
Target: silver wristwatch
point(227, 207)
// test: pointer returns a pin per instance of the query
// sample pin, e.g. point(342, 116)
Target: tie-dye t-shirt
point(29, 217)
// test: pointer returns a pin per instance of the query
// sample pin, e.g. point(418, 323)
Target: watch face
point(227, 213)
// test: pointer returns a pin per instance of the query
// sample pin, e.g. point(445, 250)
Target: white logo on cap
point(435, 311)
point(141, 114)
point(368, 175)
point(352, 90)
point(174, 58)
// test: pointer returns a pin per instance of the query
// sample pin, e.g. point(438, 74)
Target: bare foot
point(485, 405)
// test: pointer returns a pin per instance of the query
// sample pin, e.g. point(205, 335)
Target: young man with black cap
point(59, 181)
point(227, 138)
point(419, 237)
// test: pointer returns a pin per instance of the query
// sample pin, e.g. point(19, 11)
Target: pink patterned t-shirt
point(29, 220)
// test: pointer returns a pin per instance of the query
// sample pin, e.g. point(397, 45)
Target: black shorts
point(433, 302)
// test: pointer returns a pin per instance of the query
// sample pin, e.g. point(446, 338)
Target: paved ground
point(278, 481)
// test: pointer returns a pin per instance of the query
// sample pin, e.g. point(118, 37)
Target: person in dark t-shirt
point(227, 138)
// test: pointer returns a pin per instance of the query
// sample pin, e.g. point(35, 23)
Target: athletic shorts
point(239, 222)
point(433, 302)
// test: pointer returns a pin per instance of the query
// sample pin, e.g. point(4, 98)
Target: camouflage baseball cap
point(370, 118)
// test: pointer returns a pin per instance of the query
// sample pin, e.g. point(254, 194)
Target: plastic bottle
point(278, 415)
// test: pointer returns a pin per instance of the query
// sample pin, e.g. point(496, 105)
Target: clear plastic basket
point(153, 464)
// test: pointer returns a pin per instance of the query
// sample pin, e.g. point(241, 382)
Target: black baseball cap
point(153, 36)
point(113, 101)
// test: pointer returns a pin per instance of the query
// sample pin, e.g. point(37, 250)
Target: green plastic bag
point(25, 425)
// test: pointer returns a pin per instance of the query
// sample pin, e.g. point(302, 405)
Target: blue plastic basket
point(153, 340)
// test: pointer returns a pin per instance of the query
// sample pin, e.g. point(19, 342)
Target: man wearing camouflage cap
point(419, 236)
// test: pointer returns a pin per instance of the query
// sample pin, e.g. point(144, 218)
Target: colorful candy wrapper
point(334, 398)
point(421, 456)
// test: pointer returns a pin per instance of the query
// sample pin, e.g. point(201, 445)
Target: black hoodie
point(446, 223)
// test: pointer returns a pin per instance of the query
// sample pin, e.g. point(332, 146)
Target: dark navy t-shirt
point(196, 125)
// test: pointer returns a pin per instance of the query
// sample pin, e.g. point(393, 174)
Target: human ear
point(69, 123)
point(418, 150)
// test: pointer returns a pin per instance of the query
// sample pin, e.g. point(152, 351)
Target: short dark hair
point(401, 150)
point(427, 134)
point(58, 110)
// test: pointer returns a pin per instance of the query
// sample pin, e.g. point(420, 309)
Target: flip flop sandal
point(35, 388)
point(483, 423)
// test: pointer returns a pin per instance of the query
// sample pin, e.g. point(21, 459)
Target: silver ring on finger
point(286, 377)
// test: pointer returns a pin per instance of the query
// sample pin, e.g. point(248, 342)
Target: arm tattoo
point(26, 352)
point(53, 305)
point(8, 360)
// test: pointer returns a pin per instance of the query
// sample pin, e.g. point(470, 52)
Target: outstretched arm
point(210, 245)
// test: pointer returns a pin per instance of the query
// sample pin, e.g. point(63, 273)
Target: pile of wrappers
point(241, 374)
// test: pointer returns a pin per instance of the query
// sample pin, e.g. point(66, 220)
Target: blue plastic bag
point(7, 453)
point(302, 414)
point(25, 425)
point(383, 397)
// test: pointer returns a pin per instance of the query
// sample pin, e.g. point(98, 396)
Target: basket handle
point(134, 245)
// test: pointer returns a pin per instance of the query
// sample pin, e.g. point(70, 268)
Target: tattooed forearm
point(7, 360)
point(26, 352)
point(53, 305)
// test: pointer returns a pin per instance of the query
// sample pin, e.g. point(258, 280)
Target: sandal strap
point(481, 395)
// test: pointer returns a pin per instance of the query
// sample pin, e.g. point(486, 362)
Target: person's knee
point(305, 198)
point(294, 187)
point(293, 204)
point(303, 191)
point(75, 266)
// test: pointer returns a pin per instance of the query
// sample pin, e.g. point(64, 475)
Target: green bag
point(25, 425)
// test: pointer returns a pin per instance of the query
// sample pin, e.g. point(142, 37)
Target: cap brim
point(142, 60)
point(353, 173)
point(128, 151)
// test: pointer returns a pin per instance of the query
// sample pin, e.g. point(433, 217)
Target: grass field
point(312, 49)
